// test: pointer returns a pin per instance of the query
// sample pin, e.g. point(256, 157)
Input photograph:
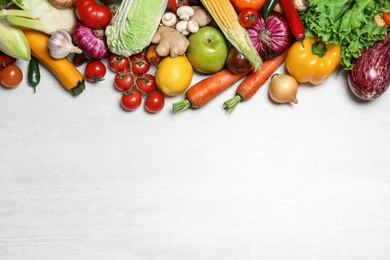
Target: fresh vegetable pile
point(224, 41)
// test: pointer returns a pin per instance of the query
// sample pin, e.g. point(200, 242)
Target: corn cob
point(12, 41)
point(226, 18)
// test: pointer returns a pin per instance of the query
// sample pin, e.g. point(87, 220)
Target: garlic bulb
point(60, 44)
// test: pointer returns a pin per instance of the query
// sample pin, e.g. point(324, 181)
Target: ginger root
point(170, 42)
point(201, 16)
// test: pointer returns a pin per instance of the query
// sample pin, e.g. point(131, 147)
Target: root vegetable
point(249, 86)
point(170, 42)
point(283, 88)
point(201, 16)
point(205, 90)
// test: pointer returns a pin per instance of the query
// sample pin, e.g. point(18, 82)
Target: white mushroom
point(185, 12)
point(192, 26)
point(169, 19)
point(181, 26)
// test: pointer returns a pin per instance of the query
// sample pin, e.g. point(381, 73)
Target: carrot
point(254, 81)
point(293, 19)
point(207, 89)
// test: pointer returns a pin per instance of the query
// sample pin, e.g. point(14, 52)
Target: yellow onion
point(283, 88)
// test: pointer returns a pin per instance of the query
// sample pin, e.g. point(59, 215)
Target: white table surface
point(82, 179)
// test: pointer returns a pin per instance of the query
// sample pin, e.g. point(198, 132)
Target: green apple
point(208, 50)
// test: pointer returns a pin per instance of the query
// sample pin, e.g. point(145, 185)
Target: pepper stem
point(319, 49)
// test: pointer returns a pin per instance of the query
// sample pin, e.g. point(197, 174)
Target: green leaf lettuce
point(348, 23)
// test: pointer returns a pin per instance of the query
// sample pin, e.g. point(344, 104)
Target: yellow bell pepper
point(313, 61)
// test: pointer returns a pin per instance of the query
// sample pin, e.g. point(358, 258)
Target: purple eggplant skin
point(370, 75)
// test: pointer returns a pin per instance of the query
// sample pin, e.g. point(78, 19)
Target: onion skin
point(283, 88)
point(93, 46)
point(370, 75)
point(271, 36)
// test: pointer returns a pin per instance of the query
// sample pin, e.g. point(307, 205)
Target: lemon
point(174, 75)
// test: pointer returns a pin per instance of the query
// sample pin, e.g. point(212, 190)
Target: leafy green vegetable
point(134, 25)
point(348, 23)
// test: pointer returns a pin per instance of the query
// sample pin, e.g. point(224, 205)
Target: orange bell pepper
point(312, 61)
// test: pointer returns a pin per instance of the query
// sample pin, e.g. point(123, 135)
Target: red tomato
point(123, 80)
point(240, 5)
point(386, 18)
point(11, 76)
point(146, 83)
point(118, 62)
point(94, 14)
point(95, 71)
point(155, 102)
point(139, 64)
point(6, 60)
point(248, 17)
point(175, 4)
point(131, 100)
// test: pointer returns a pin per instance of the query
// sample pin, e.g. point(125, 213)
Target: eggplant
point(370, 75)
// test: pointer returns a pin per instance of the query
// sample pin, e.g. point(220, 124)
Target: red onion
point(271, 36)
point(90, 41)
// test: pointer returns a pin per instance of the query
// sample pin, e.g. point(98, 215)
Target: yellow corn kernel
point(379, 20)
point(226, 18)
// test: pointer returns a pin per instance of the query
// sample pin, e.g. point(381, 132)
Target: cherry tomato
point(139, 64)
point(155, 102)
point(6, 60)
point(11, 76)
point(175, 4)
point(240, 5)
point(118, 62)
point(248, 17)
point(124, 80)
point(92, 13)
point(95, 71)
point(146, 83)
point(386, 18)
point(131, 100)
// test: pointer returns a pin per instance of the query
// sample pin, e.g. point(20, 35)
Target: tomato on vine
point(124, 80)
point(95, 71)
point(240, 5)
point(139, 64)
point(146, 83)
point(93, 13)
point(6, 60)
point(131, 100)
point(118, 62)
point(155, 102)
point(248, 17)
point(11, 76)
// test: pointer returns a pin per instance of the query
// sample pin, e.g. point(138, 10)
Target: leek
point(134, 25)
point(12, 41)
point(41, 15)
